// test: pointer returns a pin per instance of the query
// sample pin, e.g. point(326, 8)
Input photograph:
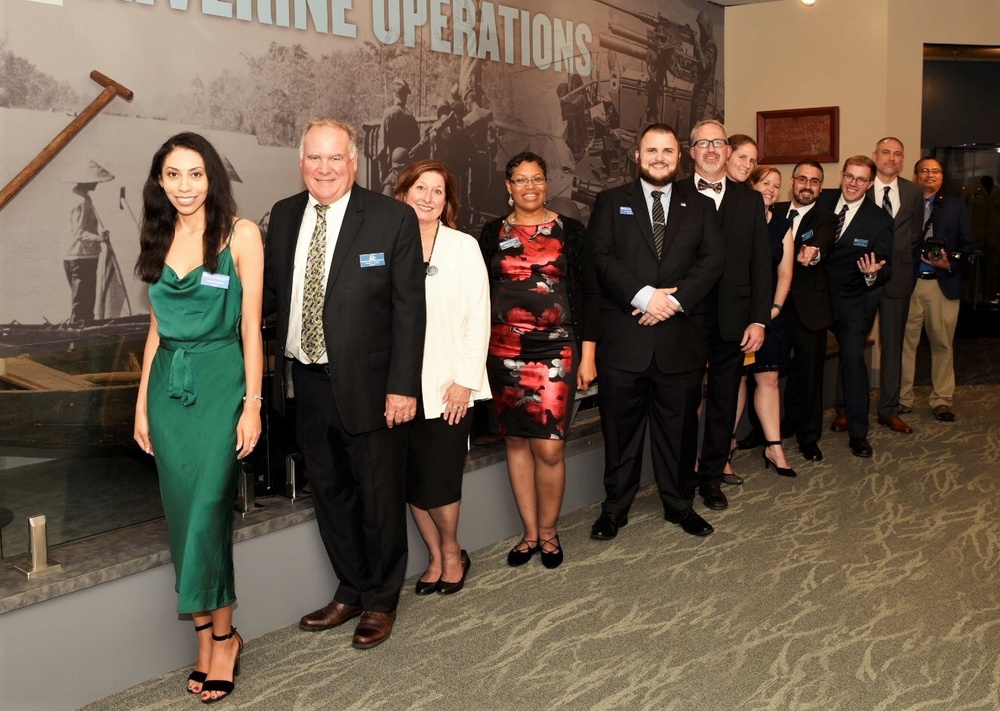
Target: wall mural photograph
point(468, 82)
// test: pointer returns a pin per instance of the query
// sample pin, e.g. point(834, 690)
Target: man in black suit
point(808, 308)
point(739, 308)
point(343, 272)
point(938, 289)
point(858, 267)
point(658, 253)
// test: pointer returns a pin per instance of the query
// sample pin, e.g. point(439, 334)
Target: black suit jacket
point(810, 290)
point(373, 318)
point(621, 236)
point(952, 223)
point(908, 230)
point(745, 292)
point(871, 230)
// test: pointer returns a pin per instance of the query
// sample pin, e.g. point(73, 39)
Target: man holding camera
point(946, 245)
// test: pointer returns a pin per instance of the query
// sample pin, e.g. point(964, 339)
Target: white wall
point(865, 56)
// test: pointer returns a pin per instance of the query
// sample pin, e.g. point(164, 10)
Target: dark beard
point(657, 183)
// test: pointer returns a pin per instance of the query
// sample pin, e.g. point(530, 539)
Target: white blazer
point(458, 321)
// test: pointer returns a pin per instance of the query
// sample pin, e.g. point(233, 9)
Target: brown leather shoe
point(336, 613)
point(839, 424)
point(373, 628)
point(895, 424)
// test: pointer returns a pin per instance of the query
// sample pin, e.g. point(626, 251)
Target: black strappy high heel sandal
point(782, 471)
point(198, 676)
point(732, 478)
point(217, 684)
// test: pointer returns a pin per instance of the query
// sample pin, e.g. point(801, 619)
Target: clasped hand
point(659, 308)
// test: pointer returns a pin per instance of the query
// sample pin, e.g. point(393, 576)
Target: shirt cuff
point(679, 307)
point(642, 297)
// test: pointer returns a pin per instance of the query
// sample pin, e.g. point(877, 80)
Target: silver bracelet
point(254, 398)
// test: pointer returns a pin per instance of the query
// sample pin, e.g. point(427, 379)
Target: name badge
point(806, 236)
point(508, 243)
point(860, 242)
point(375, 259)
point(219, 281)
point(625, 210)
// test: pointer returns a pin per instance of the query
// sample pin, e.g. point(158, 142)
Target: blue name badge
point(806, 236)
point(219, 281)
point(375, 259)
point(508, 243)
point(624, 210)
point(860, 242)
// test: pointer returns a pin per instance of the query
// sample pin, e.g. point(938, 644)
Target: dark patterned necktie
point(928, 211)
point(886, 202)
point(792, 214)
point(705, 185)
point(659, 223)
point(841, 217)
point(314, 288)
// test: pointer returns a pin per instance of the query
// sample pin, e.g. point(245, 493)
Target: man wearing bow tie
point(658, 253)
point(738, 309)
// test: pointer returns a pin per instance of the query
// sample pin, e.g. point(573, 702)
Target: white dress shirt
point(879, 191)
point(642, 297)
point(334, 221)
point(717, 196)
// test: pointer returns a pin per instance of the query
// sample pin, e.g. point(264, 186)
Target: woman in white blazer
point(453, 374)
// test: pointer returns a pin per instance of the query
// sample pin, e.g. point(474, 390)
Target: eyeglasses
point(715, 143)
point(930, 171)
point(803, 180)
point(855, 179)
point(535, 182)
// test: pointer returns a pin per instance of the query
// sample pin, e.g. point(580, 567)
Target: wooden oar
point(111, 90)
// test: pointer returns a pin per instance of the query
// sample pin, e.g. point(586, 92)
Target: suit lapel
point(640, 211)
point(676, 215)
point(293, 226)
point(353, 218)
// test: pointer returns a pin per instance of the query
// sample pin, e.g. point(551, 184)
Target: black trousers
point(804, 387)
point(725, 368)
point(668, 403)
point(358, 486)
point(851, 335)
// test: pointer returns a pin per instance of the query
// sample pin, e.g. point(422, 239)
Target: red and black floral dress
point(533, 353)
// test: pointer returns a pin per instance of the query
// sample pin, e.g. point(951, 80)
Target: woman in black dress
point(543, 311)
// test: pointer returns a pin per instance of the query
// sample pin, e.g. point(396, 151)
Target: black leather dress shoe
point(336, 613)
point(606, 526)
point(713, 497)
point(811, 451)
point(860, 447)
point(689, 521)
point(751, 441)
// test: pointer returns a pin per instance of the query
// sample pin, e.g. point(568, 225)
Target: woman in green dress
point(199, 401)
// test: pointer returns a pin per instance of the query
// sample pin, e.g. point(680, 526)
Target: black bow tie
point(705, 185)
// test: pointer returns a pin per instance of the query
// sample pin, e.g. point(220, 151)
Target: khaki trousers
point(931, 311)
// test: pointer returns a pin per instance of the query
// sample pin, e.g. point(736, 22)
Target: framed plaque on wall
point(791, 135)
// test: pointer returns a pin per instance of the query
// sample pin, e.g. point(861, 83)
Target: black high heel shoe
point(218, 684)
point(782, 471)
point(198, 676)
point(516, 558)
point(732, 478)
point(552, 559)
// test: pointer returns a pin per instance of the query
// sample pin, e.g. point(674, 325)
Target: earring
point(510, 199)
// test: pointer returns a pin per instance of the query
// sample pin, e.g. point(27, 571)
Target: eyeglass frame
point(706, 142)
point(803, 180)
point(855, 179)
point(522, 182)
point(930, 171)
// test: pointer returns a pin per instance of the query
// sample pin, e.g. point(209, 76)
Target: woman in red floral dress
point(543, 296)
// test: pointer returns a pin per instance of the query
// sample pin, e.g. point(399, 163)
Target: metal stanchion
point(38, 561)
point(293, 489)
point(245, 497)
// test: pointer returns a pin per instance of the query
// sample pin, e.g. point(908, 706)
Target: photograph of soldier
point(705, 54)
point(399, 126)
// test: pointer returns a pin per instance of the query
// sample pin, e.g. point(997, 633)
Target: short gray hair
point(349, 129)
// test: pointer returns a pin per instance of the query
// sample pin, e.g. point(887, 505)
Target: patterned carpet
point(862, 584)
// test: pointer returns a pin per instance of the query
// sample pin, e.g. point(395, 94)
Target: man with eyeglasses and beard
point(859, 267)
point(808, 309)
point(946, 243)
point(658, 253)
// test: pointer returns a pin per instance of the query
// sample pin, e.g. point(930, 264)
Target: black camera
point(934, 249)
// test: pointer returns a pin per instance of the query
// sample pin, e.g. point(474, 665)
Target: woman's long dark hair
point(156, 232)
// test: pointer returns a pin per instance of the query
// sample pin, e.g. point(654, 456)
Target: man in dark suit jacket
point(343, 272)
point(658, 253)
point(808, 307)
point(935, 300)
point(858, 267)
point(738, 309)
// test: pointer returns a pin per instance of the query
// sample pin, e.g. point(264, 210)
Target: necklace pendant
point(431, 270)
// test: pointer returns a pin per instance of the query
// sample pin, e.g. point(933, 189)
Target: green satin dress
point(196, 388)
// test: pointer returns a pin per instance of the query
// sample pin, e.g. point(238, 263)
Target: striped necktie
point(659, 223)
point(314, 289)
point(886, 202)
point(841, 217)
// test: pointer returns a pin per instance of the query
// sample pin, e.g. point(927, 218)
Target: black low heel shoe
point(426, 587)
point(552, 559)
point(446, 588)
point(782, 471)
point(220, 685)
point(517, 558)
